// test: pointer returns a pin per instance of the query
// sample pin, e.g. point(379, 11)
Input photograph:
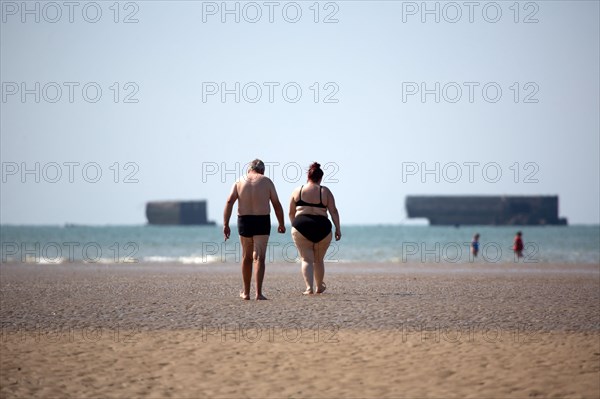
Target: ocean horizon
point(377, 243)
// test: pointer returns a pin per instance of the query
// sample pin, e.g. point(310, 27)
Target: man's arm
point(278, 209)
point(233, 196)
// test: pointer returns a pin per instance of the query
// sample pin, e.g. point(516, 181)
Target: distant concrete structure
point(177, 213)
point(485, 210)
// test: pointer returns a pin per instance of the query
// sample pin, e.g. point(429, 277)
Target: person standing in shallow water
point(475, 245)
point(311, 229)
point(254, 222)
point(518, 244)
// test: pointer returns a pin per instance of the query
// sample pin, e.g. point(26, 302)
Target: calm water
point(200, 245)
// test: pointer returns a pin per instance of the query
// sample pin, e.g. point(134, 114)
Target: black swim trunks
point(313, 227)
point(254, 225)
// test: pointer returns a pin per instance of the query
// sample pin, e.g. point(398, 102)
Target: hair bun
point(315, 173)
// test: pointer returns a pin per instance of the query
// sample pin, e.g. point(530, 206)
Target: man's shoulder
point(259, 181)
point(265, 180)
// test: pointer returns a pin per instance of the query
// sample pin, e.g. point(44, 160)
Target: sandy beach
point(380, 330)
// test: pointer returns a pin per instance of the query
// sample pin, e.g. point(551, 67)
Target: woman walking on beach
point(311, 229)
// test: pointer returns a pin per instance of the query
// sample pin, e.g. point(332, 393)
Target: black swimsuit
point(254, 225)
point(313, 227)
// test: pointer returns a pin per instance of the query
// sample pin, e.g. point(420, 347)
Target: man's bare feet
point(308, 291)
point(244, 296)
point(261, 298)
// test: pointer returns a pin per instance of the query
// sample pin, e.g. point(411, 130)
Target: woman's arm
point(335, 216)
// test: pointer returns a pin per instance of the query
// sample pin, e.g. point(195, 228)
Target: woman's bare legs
point(312, 255)
point(306, 252)
point(319, 262)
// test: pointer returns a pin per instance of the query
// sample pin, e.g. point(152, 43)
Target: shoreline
point(373, 266)
point(279, 269)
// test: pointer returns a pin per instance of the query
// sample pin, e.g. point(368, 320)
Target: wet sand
point(380, 330)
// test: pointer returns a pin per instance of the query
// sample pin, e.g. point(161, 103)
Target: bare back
point(254, 194)
point(314, 194)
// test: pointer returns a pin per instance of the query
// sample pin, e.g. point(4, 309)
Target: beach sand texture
point(380, 330)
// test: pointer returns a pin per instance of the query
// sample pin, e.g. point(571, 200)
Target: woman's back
point(311, 199)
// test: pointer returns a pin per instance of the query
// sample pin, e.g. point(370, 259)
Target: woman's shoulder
point(296, 191)
point(326, 189)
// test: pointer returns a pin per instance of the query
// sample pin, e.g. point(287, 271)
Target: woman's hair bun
point(315, 173)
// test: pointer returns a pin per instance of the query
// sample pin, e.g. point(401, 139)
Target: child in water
point(475, 245)
point(518, 245)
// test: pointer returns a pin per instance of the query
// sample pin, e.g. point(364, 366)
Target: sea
point(373, 243)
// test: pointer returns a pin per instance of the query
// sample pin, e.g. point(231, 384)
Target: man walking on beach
point(254, 222)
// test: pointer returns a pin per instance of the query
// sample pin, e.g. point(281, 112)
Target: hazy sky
point(517, 108)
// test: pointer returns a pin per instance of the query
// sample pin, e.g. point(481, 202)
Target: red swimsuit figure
point(518, 245)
